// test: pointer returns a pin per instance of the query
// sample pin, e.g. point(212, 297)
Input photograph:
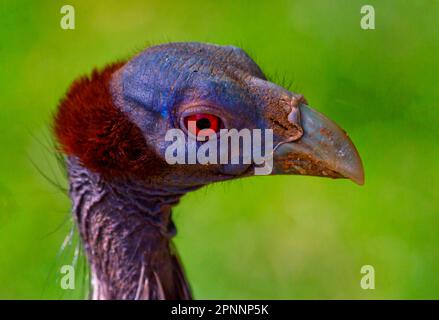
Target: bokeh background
point(266, 237)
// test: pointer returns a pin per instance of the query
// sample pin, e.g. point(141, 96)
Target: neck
point(126, 229)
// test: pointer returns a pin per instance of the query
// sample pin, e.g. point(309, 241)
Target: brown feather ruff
point(89, 126)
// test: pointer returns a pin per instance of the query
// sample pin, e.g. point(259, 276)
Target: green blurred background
point(265, 237)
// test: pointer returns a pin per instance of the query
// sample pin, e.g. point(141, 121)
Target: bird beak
point(324, 150)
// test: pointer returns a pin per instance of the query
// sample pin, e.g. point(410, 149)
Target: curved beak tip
point(324, 150)
point(356, 174)
point(360, 181)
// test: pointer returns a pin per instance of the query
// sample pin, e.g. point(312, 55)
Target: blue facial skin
point(158, 87)
point(165, 77)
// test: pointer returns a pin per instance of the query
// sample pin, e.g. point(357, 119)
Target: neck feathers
point(126, 230)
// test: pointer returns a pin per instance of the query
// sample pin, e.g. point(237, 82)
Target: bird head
point(116, 121)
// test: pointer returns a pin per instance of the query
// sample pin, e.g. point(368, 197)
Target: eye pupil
point(203, 123)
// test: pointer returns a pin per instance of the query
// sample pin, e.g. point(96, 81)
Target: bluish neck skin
point(126, 227)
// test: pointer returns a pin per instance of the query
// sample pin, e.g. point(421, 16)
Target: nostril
point(294, 117)
point(283, 115)
point(278, 123)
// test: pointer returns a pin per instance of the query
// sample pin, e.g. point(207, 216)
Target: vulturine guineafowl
point(112, 127)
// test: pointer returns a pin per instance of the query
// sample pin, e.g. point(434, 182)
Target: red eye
point(202, 121)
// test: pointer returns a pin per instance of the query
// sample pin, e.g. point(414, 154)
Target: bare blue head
point(162, 85)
